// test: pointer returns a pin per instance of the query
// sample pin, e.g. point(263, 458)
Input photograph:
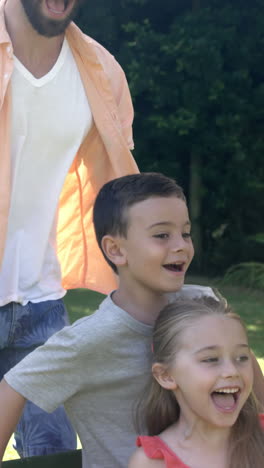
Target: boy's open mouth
point(225, 399)
point(176, 267)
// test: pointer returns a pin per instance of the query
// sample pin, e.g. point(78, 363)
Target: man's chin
point(46, 21)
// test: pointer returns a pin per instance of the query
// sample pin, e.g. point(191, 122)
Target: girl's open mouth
point(225, 399)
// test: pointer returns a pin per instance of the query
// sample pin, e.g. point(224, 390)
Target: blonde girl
point(200, 409)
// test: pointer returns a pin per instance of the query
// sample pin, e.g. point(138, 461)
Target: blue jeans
point(22, 329)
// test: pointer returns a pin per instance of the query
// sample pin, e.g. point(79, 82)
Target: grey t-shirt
point(97, 368)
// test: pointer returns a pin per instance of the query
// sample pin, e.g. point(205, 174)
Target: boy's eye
point(162, 235)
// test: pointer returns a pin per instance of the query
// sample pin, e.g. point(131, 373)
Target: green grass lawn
point(248, 303)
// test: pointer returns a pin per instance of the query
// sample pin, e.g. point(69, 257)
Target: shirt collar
point(4, 37)
point(76, 38)
point(84, 45)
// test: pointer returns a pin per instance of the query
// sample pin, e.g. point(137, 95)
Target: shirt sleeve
point(122, 96)
point(156, 449)
point(51, 374)
point(125, 106)
point(151, 446)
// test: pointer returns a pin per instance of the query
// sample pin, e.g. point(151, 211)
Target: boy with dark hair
point(99, 365)
point(116, 197)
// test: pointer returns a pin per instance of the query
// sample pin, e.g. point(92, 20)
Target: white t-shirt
point(50, 118)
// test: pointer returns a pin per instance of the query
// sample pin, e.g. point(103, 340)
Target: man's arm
point(11, 407)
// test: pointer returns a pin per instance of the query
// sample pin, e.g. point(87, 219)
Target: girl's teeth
point(227, 390)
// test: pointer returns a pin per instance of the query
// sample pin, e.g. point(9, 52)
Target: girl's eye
point(186, 235)
point(242, 358)
point(210, 359)
point(162, 235)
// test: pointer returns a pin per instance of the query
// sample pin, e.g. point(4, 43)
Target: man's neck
point(37, 53)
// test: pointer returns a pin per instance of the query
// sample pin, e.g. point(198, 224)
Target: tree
point(201, 94)
point(197, 83)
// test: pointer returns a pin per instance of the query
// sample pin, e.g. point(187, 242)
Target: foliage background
point(195, 70)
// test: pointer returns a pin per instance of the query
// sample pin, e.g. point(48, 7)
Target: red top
point(155, 448)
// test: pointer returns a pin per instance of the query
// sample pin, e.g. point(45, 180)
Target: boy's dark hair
point(110, 215)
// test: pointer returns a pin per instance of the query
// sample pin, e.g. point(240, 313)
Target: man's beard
point(45, 26)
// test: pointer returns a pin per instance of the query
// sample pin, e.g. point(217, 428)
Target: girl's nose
point(229, 369)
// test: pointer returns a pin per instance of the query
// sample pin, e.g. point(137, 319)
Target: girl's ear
point(112, 247)
point(163, 376)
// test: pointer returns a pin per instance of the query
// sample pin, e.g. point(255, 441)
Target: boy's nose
point(178, 244)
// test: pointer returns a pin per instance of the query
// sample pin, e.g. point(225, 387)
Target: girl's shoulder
point(156, 449)
point(140, 458)
point(261, 418)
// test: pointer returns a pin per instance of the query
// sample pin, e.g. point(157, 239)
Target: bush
point(249, 274)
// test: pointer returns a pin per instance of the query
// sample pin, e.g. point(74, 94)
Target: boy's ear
point(163, 376)
point(112, 247)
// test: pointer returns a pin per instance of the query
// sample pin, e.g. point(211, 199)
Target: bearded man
point(65, 129)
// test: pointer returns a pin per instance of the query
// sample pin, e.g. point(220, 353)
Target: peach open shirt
point(103, 155)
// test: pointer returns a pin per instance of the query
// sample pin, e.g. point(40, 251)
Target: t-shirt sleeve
point(51, 374)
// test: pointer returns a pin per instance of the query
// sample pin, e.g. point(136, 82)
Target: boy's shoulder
point(105, 323)
point(100, 319)
point(109, 322)
point(192, 291)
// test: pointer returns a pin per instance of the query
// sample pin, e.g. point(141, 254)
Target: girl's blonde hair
point(160, 406)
